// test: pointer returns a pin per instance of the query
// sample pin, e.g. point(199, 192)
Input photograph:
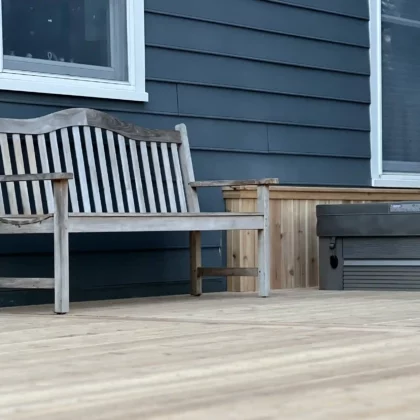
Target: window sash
point(118, 70)
point(385, 173)
point(57, 68)
point(133, 89)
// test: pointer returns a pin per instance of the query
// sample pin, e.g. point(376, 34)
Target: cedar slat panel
point(294, 243)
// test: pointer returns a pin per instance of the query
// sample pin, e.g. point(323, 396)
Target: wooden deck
point(301, 354)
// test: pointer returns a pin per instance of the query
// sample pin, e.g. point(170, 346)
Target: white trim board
point(379, 178)
point(132, 90)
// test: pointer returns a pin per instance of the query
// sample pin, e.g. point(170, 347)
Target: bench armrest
point(36, 177)
point(231, 183)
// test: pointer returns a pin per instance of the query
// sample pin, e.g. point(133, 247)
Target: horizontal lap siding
point(279, 89)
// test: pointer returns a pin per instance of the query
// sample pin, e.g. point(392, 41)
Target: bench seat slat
point(26, 283)
point(130, 222)
point(166, 222)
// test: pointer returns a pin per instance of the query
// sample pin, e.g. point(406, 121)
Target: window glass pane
point(407, 9)
point(74, 37)
point(401, 88)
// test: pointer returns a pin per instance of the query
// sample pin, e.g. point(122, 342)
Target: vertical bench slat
point(168, 177)
point(92, 169)
point(7, 164)
point(45, 168)
point(148, 176)
point(2, 209)
point(158, 176)
point(20, 166)
point(115, 172)
point(81, 168)
point(126, 173)
point(137, 175)
point(104, 170)
point(34, 170)
point(69, 167)
point(178, 176)
point(56, 163)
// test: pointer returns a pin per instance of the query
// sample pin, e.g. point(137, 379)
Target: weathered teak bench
point(81, 170)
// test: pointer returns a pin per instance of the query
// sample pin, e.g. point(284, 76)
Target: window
point(395, 88)
point(74, 47)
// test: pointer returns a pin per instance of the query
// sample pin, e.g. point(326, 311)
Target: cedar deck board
point(306, 354)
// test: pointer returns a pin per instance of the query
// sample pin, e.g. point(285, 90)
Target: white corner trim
point(375, 27)
point(133, 90)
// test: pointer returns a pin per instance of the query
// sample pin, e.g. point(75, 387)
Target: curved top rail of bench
point(74, 117)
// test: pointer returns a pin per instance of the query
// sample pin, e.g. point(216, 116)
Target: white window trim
point(133, 90)
point(379, 178)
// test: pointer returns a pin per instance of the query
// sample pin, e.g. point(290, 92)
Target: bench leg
point(264, 261)
point(195, 264)
point(61, 248)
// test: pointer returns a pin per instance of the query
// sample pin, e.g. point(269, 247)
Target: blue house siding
point(280, 88)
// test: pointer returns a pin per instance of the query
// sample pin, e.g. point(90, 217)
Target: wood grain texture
point(227, 271)
point(191, 196)
point(81, 169)
point(232, 183)
point(20, 166)
point(168, 178)
point(33, 169)
point(115, 174)
point(130, 222)
point(157, 170)
point(137, 176)
point(128, 190)
point(100, 142)
point(180, 178)
point(36, 177)
point(68, 160)
point(243, 246)
point(26, 283)
point(293, 239)
point(75, 117)
point(148, 177)
point(93, 170)
point(7, 166)
point(196, 277)
point(298, 353)
point(278, 192)
point(61, 248)
point(264, 245)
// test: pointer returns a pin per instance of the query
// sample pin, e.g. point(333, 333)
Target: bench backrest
point(118, 167)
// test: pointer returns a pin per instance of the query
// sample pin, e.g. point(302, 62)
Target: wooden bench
point(81, 170)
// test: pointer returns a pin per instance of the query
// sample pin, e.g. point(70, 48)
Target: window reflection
point(71, 31)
